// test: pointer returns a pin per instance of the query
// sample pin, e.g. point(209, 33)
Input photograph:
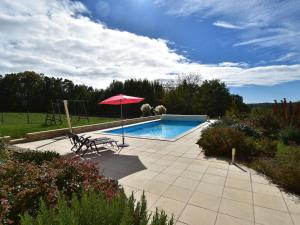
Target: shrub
point(92, 208)
point(24, 183)
point(265, 147)
point(146, 109)
point(219, 141)
point(160, 109)
point(246, 129)
point(284, 169)
point(290, 136)
point(265, 120)
point(37, 157)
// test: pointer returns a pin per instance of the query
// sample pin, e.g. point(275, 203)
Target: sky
point(251, 45)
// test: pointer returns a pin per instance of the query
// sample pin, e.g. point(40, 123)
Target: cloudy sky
point(252, 45)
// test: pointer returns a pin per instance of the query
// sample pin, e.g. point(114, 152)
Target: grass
point(16, 125)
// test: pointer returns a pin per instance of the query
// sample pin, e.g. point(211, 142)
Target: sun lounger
point(83, 145)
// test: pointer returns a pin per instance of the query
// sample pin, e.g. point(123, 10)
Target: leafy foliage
point(284, 169)
point(24, 183)
point(290, 135)
point(248, 130)
point(213, 98)
point(187, 95)
point(36, 157)
point(219, 141)
point(265, 120)
point(92, 208)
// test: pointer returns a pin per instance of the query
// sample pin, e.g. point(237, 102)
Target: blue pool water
point(164, 129)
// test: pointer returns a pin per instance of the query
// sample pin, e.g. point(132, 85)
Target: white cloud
point(287, 57)
point(58, 38)
point(266, 23)
point(227, 25)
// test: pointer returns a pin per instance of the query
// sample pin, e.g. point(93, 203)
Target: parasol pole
point(122, 124)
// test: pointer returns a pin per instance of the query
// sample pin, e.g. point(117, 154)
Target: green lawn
point(16, 126)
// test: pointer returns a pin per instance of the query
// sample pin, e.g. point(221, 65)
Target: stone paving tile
point(238, 195)
point(213, 179)
point(237, 209)
point(178, 193)
point(205, 200)
point(293, 205)
point(296, 218)
point(179, 223)
point(129, 190)
point(173, 171)
point(192, 175)
point(155, 187)
point(271, 217)
point(197, 168)
point(186, 183)
point(177, 177)
point(217, 172)
point(210, 189)
point(165, 178)
point(229, 220)
point(269, 201)
point(238, 184)
point(193, 215)
point(244, 176)
point(266, 189)
point(150, 197)
point(171, 206)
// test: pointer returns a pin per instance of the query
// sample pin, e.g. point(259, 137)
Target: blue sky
point(251, 45)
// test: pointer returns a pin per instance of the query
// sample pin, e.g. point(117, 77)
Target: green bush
point(37, 157)
point(248, 130)
point(93, 209)
point(24, 183)
point(265, 120)
point(284, 169)
point(290, 136)
point(265, 147)
point(219, 141)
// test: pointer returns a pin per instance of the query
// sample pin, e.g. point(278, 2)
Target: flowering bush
point(146, 109)
point(23, 184)
point(160, 109)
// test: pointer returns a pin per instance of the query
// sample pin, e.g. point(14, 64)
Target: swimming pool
point(159, 129)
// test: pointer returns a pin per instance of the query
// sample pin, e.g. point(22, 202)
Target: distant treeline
point(33, 92)
point(266, 105)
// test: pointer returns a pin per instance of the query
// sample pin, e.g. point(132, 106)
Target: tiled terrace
point(177, 177)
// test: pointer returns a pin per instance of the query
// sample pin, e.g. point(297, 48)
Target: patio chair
point(91, 145)
point(82, 144)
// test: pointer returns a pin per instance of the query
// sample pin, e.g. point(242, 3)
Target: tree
point(182, 97)
point(213, 98)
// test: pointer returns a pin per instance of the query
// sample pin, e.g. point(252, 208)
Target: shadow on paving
point(116, 166)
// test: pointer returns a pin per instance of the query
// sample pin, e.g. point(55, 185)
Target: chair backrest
point(74, 138)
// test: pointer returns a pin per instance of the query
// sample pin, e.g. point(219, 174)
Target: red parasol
point(120, 100)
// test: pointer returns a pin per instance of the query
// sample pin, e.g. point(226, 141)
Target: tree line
point(33, 92)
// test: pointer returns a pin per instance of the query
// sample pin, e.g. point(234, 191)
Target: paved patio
point(178, 178)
